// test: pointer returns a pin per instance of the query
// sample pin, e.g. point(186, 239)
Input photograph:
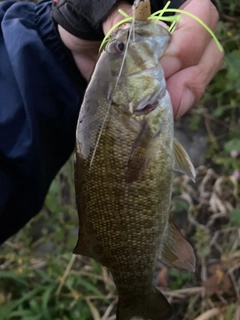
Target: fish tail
point(154, 306)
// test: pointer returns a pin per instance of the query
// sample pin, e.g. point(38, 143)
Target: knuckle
point(198, 90)
point(214, 16)
point(198, 84)
point(190, 51)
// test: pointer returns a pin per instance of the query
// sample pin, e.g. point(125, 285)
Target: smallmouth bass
point(125, 154)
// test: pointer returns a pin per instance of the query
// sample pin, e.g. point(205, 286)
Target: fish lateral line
point(100, 133)
point(110, 103)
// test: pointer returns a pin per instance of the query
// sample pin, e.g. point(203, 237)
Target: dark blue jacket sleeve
point(40, 95)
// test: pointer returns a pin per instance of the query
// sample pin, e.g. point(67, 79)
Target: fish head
point(137, 79)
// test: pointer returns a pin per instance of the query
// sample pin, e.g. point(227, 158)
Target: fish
point(125, 157)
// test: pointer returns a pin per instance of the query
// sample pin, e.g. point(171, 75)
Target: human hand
point(189, 63)
point(85, 52)
point(192, 58)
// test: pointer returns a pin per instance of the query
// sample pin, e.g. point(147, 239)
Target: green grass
point(36, 280)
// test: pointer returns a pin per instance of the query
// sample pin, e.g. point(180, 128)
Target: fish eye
point(119, 47)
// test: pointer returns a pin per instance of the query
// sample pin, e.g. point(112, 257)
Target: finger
point(84, 52)
point(190, 38)
point(187, 86)
point(115, 16)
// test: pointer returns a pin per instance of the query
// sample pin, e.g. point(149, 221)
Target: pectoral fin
point(139, 155)
point(182, 162)
point(176, 251)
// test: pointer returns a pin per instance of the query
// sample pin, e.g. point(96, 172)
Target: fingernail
point(170, 65)
point(187, 102)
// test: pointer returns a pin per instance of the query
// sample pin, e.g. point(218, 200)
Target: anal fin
point(175, 251)
point(182, 162)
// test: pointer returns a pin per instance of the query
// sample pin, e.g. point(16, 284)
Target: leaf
point(235, 134)
point(46, 299)
point(21, 313)
point(37, 317)
point(180, 278)
point(35, 307)
point(89, 287)
point(233, 60)
point(219, 281)
point(233, 144)
point(233, 63)
point(180, 205)
point(219, 111)
point(45, 278)
point(235, 217)
point(25, 297)
point(195, 122)
point(5, 313)
point(13, 276)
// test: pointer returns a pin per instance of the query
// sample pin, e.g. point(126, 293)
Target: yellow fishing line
point(111, 30)
point(123, 13)
point(192, 16)
point(168, 19)
point(127, 19)
point(163, 11)
point(174, 24)
point(172, 27)
point(158, 16)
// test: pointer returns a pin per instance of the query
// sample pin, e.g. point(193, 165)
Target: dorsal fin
point(182, 162)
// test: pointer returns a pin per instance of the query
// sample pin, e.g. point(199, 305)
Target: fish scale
point(123, 172)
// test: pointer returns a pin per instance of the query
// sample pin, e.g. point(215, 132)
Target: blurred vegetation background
point(41, 280)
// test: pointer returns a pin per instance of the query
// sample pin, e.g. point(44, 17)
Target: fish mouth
point(148, 104)
point(147, 109)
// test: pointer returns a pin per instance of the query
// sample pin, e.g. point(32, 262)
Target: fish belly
point(121, 224)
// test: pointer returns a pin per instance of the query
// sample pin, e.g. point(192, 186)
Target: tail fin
point(153, 306)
